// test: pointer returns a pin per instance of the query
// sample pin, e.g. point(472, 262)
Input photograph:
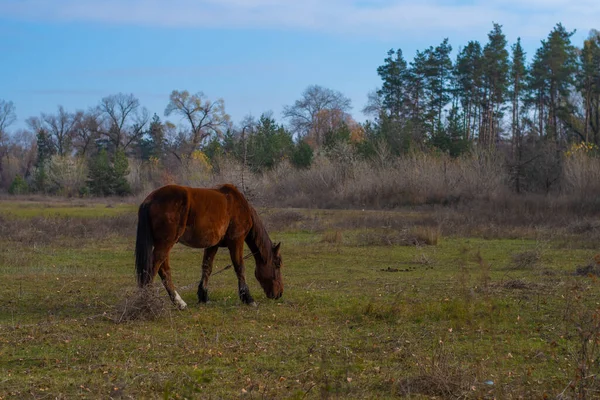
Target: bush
point(67, 174)
point(18, 186)
point(108, 177)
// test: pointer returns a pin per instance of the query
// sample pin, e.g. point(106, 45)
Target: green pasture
point(363, 315)
point(80, 208)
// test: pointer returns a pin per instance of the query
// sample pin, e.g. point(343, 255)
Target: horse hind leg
point(164, 271)
point(165, 275)
point(207, 264)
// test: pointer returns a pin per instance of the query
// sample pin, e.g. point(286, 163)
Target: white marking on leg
point(180, 303)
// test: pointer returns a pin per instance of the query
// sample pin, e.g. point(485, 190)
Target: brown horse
point(208, 219)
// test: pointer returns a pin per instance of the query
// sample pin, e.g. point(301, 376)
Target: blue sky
point(258, 55)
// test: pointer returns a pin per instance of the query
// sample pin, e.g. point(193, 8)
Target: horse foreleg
point(237, 257)
point(207, 264)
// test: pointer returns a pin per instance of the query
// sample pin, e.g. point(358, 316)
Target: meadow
point(415, 303)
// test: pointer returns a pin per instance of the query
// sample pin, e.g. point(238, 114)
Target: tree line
point(488, 97)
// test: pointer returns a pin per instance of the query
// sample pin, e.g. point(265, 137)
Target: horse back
point(217, 216)
point(199, 217)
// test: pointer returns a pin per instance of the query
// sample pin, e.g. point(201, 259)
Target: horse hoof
point(253, 304)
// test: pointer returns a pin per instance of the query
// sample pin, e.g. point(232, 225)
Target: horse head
point(269, 275)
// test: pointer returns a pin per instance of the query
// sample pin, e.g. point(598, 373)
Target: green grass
point(77, 208)
point(355, 321)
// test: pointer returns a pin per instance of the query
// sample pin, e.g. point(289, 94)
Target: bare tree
point(123, 120)
point(374, 105)
point(204, 116)
point(85, 130)
point(304, 114)
point(60, 128)
point(7, 118)
point(18, 157)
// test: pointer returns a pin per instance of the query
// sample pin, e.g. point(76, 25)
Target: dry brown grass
point(141, 305)
point(45, 230)
point(527, 259)
point(382, 237)
point(281, 220)
point(425, 235)
point(519, 284)
point(436, 385)
point(591, 268)
point(415, 236)
point(333, 237)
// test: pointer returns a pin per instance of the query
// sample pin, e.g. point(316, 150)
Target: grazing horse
point(208, 219)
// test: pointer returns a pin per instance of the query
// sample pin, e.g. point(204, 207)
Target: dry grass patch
point(333, 237)
point(519, 284)
point(592, 267)
point(47, 230)
point(526, 260)
point(428, 235)
point(281, 220)
point(415, 236)
point(141, 304)
point(447, 387)
point(382, 237)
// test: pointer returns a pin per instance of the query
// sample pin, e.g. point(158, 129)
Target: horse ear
point(276, 248)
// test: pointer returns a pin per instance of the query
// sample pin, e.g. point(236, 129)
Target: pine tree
point(45, 150)
point(440, 72)
point(302, 155)
point(437, 71)
point(588, 80)
point(468, 85)
point(269, 144)
point(153, 142)
point(518, 73)
point(495, 68)
point(416, 79)
point(551, 81)
point(561, 62)
point(394, 75)
point(100, 174)
point(108, 177)
point(119, 171)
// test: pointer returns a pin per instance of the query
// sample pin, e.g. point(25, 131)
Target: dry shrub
point(527, 259)
point(433, 385)
point(581, 175)
point(423, 259)
point(333, 237)
point(585, 226)
point(518, 284)
point(428, 235)
point(382, 237)
point(439, 374)
point(316, 187)
point(282, 219)
point(142, 304)
point(417, 178)
point(415, 236)
point(592, 268)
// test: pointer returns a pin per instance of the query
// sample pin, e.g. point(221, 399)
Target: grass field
point(376, 305)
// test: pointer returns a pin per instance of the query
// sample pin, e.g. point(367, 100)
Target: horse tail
point(143, 246)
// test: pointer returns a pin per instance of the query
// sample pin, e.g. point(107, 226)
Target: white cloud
point(380, 18)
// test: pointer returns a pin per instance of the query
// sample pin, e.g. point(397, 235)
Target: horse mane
point(259, 242)
point(261, 238)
